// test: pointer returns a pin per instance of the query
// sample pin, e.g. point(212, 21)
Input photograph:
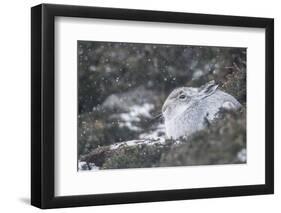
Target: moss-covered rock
point(141, 156)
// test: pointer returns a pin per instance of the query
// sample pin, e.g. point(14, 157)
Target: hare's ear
point(209, 88)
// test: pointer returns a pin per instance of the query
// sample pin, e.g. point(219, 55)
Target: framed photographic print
point(140, 106)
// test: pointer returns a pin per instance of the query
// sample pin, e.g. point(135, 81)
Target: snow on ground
point(134, 114)
point(84, 166)
point(159, 131)
point(242, 155)
point(159, 140)
point(126, 143)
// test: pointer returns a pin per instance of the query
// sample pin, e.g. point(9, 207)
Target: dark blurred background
point(122, 86)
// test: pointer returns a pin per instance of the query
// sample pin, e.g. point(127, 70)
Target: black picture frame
point(43, 105)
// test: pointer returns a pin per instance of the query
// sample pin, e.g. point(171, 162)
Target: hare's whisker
point(157, 116)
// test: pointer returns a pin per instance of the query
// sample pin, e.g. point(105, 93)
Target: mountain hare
point(188, 109)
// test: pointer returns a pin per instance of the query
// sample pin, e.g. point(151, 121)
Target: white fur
point(183, 118)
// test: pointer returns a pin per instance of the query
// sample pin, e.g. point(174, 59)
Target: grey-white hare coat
point(188, 110)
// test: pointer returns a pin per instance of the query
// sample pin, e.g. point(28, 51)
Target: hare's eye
point(182, 97)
